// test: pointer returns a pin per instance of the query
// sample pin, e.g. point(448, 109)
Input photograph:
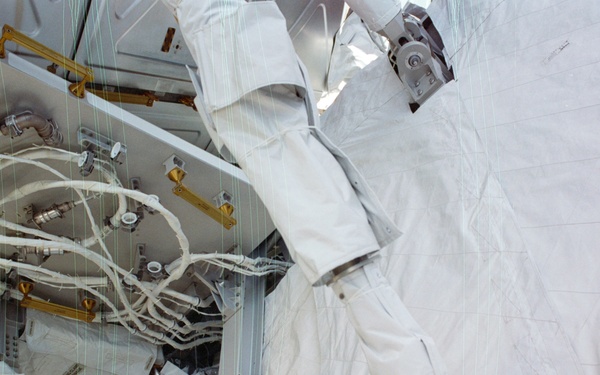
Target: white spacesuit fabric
point(494, 182)
point(391, 338)
point(260, 107)
point(354, 48)
point(106, 350)
point(377, 14)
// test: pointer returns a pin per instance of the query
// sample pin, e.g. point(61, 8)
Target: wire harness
point(149, 309)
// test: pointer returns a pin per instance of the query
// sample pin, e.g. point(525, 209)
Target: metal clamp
point(346, 269)
point(13, 127)
point(97, 143)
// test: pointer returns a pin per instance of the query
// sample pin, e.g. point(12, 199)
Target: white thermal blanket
point(494, 182)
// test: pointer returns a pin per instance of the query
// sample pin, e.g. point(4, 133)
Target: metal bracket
point(227, 299)
point(417, 70)
point(176, 173)
point(53, 308)
point(188, 101)
point(77, 88)
point(92, 141)
point(224, 201)
point(86, 163)
point(13, 321)
point(413, 56)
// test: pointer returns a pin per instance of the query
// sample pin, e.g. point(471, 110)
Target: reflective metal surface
point(136, 44)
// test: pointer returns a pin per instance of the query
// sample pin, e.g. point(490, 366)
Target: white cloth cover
point(258, 104)
point(5, 369)
point(111, 349)
point(355, 47)
point(171, 369)
point(376, 14)
point(44, 364)
point(390, 337)
point(494, 182)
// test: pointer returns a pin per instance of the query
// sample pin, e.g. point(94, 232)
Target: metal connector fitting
point(129, 221)
point(86, 163)
point(47, 129)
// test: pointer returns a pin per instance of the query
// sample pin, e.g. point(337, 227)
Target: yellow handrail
point(221, 215)
point(77, 88)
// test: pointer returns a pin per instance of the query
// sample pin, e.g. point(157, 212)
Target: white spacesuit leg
point(391, 339)
point(254, 92)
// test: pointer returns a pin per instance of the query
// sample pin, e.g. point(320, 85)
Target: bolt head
point(414, 60)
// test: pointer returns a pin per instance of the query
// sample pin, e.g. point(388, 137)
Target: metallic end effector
point(416, 53)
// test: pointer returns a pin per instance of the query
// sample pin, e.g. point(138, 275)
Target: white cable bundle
point(142, 314)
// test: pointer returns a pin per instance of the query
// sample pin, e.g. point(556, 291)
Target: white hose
point(73, 247)
point(146, 333)
point(146, 288)
point(88, 254)
point(190, 300)
point(61, 243)
point(145, 199)
point(90, 281)
point(8, 264)
point(95, 228)
point(150, 292)
point(45, 152)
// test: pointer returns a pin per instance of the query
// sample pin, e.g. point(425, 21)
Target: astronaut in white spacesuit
point(256, 101)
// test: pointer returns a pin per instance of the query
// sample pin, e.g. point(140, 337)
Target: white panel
point(122, 42)
point(54, 23)
point(175, 118)
point(148, 147)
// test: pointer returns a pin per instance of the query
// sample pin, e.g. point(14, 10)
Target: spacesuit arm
point(225, 43)
point(256, 101)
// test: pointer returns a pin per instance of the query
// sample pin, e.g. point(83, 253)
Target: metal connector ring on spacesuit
point(346, 269)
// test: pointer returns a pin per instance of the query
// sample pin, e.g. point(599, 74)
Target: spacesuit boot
point(392, 341)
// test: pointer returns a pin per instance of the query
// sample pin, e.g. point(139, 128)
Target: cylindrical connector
point(128, 281)
point(129, 221)
point(154, 269)
point(86, 163)
point(51, 213)
point(47, 251)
